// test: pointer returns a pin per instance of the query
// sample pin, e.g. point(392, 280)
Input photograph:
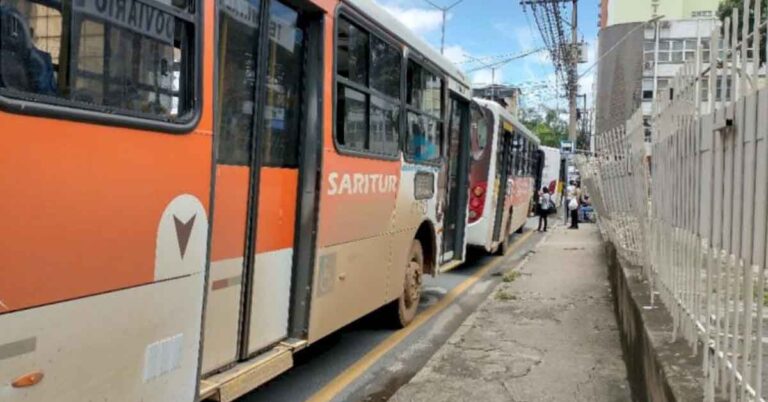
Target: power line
point(549, 18)
point(498, 61)
point(500, 56)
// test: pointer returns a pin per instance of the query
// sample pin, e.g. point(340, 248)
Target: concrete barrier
point(660, 369)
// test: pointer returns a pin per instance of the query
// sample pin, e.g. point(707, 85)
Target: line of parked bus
point(191, 198)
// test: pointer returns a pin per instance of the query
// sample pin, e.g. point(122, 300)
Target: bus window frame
point(344, 11)
point(26, 104)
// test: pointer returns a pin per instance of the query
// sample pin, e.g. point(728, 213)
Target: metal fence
point(694, 211)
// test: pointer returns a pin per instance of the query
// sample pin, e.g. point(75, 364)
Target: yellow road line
point(335, 386)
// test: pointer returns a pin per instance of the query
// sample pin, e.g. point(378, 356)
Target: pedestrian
point(574, 194)
point(568, 193)
point(545, 207)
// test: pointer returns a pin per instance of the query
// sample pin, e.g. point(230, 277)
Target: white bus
point(552, 173)
point(502, 176)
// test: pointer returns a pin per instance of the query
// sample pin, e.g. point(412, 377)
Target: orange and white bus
point(194, 190)
point(502, 176)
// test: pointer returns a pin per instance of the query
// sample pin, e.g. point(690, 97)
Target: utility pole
point(573, 83)
point(565, 56)
point(584, 117)
point(444, 10)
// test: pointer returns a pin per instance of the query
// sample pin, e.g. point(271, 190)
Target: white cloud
point(487, 77)
point(456, 54)
point(419, 20)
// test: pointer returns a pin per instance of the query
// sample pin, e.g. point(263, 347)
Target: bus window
point(238, 43)
point(282, 112)
point(478, 133)
point(352, 122)
point(425, 113)
point(367, 92)
point(352, 53)
point(93, 55)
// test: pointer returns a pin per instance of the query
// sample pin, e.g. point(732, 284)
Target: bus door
point(457, 160)
point(504, 167)
point(262, 120)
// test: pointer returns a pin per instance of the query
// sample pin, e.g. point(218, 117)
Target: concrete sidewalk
point(547, 333)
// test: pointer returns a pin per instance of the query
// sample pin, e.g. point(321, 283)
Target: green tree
point(549, 128)
point(725, 9)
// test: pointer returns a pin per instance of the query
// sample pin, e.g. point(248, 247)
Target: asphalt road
point(366, 361)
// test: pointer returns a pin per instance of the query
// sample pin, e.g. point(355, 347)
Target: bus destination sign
point(135, 15)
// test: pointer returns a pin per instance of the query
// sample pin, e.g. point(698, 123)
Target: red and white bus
point(553, 171)
point(194, 190)
point(503, 170)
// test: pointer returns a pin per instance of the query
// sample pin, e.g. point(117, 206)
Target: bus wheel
point(408, 302)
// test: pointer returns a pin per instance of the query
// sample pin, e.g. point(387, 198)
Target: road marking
point(338, 384)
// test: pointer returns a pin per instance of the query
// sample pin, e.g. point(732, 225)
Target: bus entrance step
point(246, 376)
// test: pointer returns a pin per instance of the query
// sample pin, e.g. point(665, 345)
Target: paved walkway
point(547, 333)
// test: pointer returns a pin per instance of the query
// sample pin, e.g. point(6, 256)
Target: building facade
point(639, 59)
point(505, 95)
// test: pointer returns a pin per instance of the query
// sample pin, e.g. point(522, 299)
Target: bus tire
point(403, 310)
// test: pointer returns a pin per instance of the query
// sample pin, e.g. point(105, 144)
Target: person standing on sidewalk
point(574, 194)
point(545, 207)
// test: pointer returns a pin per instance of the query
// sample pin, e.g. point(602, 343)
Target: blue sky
point(481, 28)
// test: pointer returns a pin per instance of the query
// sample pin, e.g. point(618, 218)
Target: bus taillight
point(477, 202)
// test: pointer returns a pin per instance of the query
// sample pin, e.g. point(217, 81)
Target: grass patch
point(765, 299)
point(503, 295)
point(510, 276)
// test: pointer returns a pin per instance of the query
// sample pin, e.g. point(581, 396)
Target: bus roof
point(389, 23)
point(551, 149)
point(503, 114)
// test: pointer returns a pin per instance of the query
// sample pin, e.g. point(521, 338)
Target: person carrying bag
point(573, 207)
point(546, 207)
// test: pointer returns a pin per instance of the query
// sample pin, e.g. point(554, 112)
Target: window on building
point(723, 94)
point(425, 113)
point(647, 89)
point(368, 110)
point(701, 14)
point(665, 51)
point(649, 48)
point(675, 50)
point(647, 94)
point(705, 50)
point(690, 47)
point(99, 59)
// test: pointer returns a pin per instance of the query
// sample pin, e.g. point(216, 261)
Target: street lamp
point(444, 11)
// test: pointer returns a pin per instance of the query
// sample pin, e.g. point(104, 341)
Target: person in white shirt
point(572, 203)
point(545, 207)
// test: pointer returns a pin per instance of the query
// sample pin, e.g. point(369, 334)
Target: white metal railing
point(694, 213)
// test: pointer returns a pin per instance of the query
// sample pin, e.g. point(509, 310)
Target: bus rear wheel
point(404, 308)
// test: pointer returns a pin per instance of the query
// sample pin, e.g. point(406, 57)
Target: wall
point(659, 370)
point(619, 75)
point(624, 11)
